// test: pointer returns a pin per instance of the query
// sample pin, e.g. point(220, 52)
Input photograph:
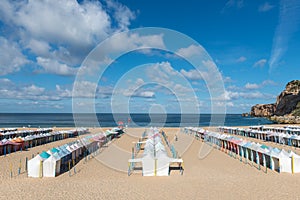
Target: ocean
point(133, 120)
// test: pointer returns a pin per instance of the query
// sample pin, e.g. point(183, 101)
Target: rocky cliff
point(263, 110)
point(287, 103)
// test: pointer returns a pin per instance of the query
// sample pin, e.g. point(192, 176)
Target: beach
point(216, 176)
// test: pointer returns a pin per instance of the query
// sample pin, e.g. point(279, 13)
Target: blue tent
point(45, 155)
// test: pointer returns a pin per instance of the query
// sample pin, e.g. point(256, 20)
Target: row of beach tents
point(14, 132)
point(267, 134)
point(20, 143)
point(291, 129)
point(7, 130)
point(155, 161)
point(58, 160)
point(266, 156)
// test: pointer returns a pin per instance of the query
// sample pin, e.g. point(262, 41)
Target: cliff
point(287, 103)
point(263, 110)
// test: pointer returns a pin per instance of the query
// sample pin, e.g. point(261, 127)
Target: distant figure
point(176, 138)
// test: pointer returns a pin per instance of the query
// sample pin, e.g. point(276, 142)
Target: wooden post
point(293, 164)
point(19, 169)
point(11, 173)
point(26, 163)
point(155, 166)
point(69, 167)
point(41, 169)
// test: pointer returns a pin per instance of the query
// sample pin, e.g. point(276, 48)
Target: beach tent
point(295, 162)
point(35, 166)
point(148, 164)
point(285, 162)
point(162, 165)
point(51, 166)
point(280, 160)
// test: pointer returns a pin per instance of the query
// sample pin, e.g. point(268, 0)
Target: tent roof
point(54, 150)
point(44, 155)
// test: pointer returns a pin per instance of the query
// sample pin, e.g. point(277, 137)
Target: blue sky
point(253, 45)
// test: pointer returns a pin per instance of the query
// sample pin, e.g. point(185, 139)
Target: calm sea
point(134, 120)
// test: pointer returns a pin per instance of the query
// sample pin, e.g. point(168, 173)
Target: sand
point(217, 176)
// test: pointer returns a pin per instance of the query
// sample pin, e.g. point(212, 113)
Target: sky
point(101, 56)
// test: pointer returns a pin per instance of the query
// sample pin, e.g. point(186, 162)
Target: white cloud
point(33, 90)
point(144, 94)
point(84, 89)
point(38, 47)
point(190, 51)
point(162, 73)
point(191, 74)
point(10, 90)
point(54, 67)
point(257, 95)
point(241, 59)
point(124, 42)
point(136, 90)
point(227, 79)
point(173, 82)
point(260, 63)
point(65, 33)
point(11, 57)
point(230, 95)
point(121, 13)
point(265, 7)
point(252, 86)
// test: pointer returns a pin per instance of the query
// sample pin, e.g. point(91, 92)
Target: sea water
point(132, 120)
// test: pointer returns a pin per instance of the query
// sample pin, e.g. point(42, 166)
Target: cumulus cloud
point(260, 63)
point(11, 57)
point(65, 33)
point(124, 42)
point(161, 73)
point(190, 51)
point(164, 74)
point(265, 7)
point(10, 90)
point(231, 95)
point(122, 14)
point(144, 94)
point(54, 67)
point(191, 74)
point(252, 86)
point(136, 90)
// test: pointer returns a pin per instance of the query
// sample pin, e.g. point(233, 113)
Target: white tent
point(296, 161)
point(51, 166)
point(155, 161)
point(162, 165)
point(148, 164)
point(35, 167)
point(285, 162)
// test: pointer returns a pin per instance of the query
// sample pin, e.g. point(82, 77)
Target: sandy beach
point(105, 177)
